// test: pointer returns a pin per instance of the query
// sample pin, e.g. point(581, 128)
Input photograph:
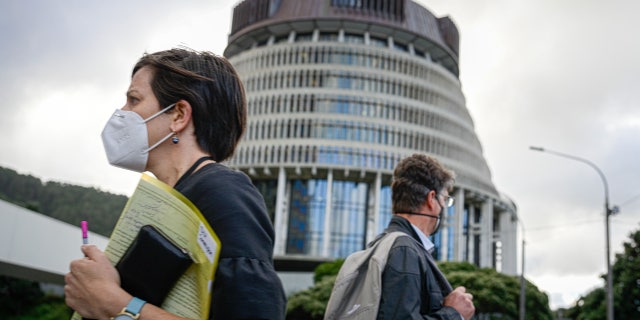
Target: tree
point(24, 300)
point(496, 295)
point(311, 303)
point(590, 307)
point(626, 275)
point(327, 269)
point(626, 288)
point(65, 202)
point(18, 296)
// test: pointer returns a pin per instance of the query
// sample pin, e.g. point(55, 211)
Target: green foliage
point(496, 296)
point(311, 303)
point(593, 306)
point(450, 267)
point(17, 296)
point(626, 279)
point(24, 300)
point(537, 303)
point(51, 308)
point(327, 269)
point(493, 293)
point(64, 202)
point(626, 288)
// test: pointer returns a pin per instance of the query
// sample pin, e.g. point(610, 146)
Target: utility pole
point(607, 212)
point(523, 283)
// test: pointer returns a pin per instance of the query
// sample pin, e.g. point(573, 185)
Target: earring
point(175, 138)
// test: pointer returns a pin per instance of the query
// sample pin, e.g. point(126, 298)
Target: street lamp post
point(607, 212)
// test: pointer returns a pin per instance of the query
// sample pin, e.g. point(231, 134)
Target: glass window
point(268, 189)
point(401, 47)
point(306, 217)
point(385, 208)
point(353, 38)
point(451, 230)
point(466, 232)
point(303, 37)
point(378, 42)
point(349, 201)
point(344, 81)
point(437, 239)
point(328, 36)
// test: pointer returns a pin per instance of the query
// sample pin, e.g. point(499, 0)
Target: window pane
point(306, 217)
point(349, 201)
point(385, 208)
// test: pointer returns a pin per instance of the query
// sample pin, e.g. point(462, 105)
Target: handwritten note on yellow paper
point(153, 202)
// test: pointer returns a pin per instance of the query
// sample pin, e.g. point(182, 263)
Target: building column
point(458, 224)
point(326, 232)
point(444, 235)
point(509, 238)
point(373, 212)
point(281, 222)
point(472, 230)
point(486, 235)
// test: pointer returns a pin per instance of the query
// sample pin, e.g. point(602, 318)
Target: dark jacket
point(412, 285)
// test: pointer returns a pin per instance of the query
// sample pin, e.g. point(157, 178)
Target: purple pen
point(85, 230)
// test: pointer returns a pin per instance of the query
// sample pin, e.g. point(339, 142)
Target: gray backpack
point(356, 292)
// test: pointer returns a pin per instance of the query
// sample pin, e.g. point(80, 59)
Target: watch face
point(124, 316)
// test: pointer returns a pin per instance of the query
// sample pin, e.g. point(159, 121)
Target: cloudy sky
point(559, 74)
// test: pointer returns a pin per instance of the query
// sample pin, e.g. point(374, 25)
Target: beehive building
point(338, 92)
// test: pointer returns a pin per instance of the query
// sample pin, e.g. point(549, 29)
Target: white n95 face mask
point(125, 139)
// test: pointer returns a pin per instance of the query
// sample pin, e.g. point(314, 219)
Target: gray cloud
point(562, 75)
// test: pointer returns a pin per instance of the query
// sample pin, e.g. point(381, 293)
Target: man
point(412, 285)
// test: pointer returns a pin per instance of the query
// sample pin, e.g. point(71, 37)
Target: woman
point(187, 110)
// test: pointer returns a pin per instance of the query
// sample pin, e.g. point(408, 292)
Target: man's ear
point(180, 116)
point(432, 199)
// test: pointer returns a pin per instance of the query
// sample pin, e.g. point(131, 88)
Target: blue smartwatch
point(131, 311)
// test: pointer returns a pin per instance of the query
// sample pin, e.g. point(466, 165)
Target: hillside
point(65, 202)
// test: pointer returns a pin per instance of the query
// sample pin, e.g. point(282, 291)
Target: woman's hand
point(93, 286)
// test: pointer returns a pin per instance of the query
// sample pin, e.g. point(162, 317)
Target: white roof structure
point(37, 247)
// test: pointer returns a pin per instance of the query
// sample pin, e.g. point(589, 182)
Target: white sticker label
point(205, 240)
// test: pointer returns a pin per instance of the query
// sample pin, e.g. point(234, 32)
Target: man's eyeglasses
point(448, 201)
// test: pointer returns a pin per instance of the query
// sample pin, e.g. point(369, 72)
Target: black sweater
point(246, 285)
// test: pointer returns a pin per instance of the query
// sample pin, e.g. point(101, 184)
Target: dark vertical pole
point(523, 284)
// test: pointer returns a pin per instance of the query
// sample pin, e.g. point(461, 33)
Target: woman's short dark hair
point(212, 87)
point(414, 177)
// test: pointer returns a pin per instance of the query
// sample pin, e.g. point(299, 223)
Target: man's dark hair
point(414, 177)
point(212, 87)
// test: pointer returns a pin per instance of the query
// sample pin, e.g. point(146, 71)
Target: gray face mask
point(126, 142)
